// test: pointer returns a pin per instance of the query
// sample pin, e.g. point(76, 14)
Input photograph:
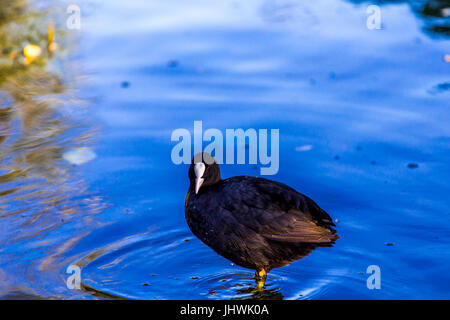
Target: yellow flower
point(52, 46)
point(50, 33)
point(32, 51)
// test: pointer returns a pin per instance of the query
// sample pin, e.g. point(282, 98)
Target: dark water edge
point(86, 177)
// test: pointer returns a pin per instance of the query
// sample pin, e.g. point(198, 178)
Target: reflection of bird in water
point(271, 294)
point(256, 223)
point(236, 285)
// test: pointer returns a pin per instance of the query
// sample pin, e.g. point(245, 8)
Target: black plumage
point(254, 222)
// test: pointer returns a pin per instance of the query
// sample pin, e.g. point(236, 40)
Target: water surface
point(86, 175)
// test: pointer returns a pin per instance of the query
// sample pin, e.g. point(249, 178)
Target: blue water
point(354, 108)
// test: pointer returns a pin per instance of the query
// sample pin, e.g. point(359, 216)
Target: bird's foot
point(260, 277)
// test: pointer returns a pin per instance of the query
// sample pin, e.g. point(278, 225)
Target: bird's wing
point(278, 212)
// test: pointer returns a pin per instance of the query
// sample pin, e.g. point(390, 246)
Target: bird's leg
point(260, 277)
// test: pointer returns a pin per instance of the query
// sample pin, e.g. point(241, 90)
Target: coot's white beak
point(199, 169)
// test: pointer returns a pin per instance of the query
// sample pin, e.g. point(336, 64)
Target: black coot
point(254, 222)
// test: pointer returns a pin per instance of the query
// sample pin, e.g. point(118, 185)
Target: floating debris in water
point(145, 284)
point(127, 211)
point(186, 240)
point(336, 221)
point(373, 162)
point(445, 86)
point(194, 278)
point(306, 147)
point(173, 64)
point(389, 244)
point(447, 58)
point(79, 156)
point(125, 84)
point(413, 165)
